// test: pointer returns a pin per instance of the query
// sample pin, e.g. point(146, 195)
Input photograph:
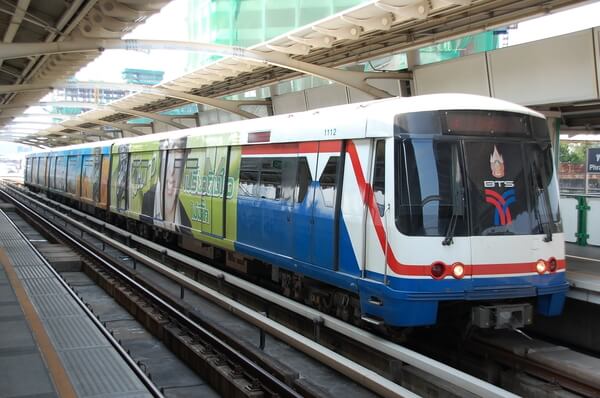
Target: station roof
point(55, 21)
point(373, 29)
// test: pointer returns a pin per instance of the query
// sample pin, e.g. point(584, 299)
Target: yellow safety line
point(63, 385)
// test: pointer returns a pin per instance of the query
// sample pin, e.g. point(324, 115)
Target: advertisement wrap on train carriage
point(134, 178)
point(194, 186)
point(94, 175)
point(200, 188)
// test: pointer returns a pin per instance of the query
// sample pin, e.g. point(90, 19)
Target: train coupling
point(511, 316)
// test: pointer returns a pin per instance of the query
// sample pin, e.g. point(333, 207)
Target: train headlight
point(553, 264)
point(458, 270)
point(438, 270)
point(540, 267)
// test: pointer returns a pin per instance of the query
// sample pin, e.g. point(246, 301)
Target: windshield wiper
point(458, 210)
point(458, 197)
point(540, 186)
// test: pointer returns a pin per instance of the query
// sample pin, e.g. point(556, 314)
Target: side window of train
point(303, 180)
point(379, 176)
point(272, 178)
point(249, 176)
point(328, 181)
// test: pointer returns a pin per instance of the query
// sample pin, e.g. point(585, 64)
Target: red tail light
point(438, 270)
point(553, 264)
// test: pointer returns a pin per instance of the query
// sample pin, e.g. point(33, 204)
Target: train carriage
point(376, 212)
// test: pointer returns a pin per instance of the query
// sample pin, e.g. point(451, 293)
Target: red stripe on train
point(292, 148)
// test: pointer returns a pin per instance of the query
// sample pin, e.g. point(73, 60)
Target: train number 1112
point(330, 132)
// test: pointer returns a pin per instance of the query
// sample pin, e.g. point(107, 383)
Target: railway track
point(382, 363)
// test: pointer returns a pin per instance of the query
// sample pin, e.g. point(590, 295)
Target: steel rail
point(120, 350)
point(261, 374)
point(562, 377)
point(403, 354)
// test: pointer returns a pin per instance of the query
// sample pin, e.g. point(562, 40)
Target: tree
point(574, 152)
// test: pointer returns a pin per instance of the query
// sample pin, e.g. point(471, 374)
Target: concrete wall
point(555, 70)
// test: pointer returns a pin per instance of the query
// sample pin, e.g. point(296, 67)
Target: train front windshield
point(474, 173)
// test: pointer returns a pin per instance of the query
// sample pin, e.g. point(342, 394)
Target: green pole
point(582, 209)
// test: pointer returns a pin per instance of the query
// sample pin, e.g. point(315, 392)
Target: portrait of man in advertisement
point(97, 156)
point(174, 213)
point(122, 177)
point(151, 200)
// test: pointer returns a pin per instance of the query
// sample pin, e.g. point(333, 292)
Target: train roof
point(349, 121)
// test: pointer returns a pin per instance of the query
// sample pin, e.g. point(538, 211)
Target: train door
point(216, 177)
point(266, 198)
point(275, 190)
point(377, 214)
point(316, 231)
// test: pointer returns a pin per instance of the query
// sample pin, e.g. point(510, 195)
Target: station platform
point(49, 347)
point(583, 272)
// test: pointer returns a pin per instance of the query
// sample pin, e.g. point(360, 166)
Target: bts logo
point(502, 214)
point(502, 202)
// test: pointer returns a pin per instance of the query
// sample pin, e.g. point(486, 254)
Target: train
point(387, 213)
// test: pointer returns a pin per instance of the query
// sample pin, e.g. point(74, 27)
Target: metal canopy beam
point(117, 125)
point(354, 79)
point(94, 132)
point(61, 104)
point(155, 116)
point(227, 105)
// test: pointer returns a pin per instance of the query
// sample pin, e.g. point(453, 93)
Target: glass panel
point(173, 211)
point(118, 189)
point(270, 185)
point(328, 181)
point(303, 181)
point(545, 186)
point(379, 176)
point(428, 183)
point(73, 170)
point(499, 189)
point(61, 172)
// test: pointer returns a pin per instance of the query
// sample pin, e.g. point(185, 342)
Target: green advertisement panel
point(143, 190)
point(118, 178)
point(206, 190)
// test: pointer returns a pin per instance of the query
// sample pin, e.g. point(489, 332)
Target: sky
point(109, 65)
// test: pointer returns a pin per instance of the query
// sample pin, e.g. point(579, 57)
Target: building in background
point(102, 95)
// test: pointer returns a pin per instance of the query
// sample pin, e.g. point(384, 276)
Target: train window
point(429, 188)
point(61, 171)
point(73, 173)
point(379, 176)
point(540, 129)
point(328, 181)
point(303, 180)
point(28, 170)
point(544, 185)
point(270, 185)
point(289, 170)
point(269, 178)
point(248, 182)
point(51, 171)
point(249, 176)
point(190, 164)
